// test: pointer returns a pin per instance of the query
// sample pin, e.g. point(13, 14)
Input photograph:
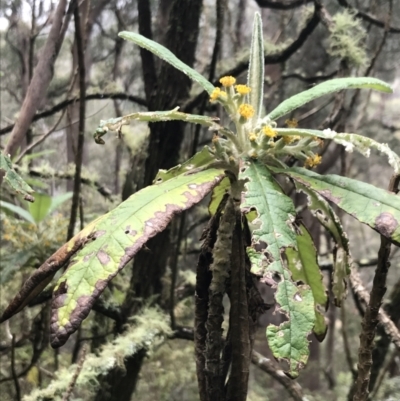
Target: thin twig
point(72, 383)
point(363, 297)
point(13, 372)
point(93, 96)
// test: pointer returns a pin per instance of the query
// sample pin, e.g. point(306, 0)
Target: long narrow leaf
point(350, 141)
point(326, 88)
point(255, 79)
point(18, 210)
point(373, 206)
point(167, 56)
point(118, 237)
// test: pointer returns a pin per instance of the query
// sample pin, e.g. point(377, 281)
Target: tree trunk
point(164, 90)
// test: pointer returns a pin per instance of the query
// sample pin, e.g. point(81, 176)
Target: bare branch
point(269, 367)
point(368, 17)
point(41, 79)
point(282, 5)
point(94, 96)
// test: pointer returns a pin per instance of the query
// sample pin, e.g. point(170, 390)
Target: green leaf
point(304, 267)
point(217, 195)
point(325, 88)
point(32, 156)
point(14, 180)
point(116, 238)
point(58, 200)
point(321, 209)
point(18, 210)
point(275, 233)
point(166, 55)
point(199, 160)
point(255, 79)
point(41, 208)
point(373, 206)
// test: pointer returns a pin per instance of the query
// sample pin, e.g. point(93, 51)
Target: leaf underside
point(373, 206)
point(325, 88)
point(117, 237)
point(166, 55)
point(274, 234)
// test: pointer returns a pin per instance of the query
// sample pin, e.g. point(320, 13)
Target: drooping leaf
point(167, 56)
point(18, 210)
point(255, 79)
point(200, 159)
point(217, 195)
point(373, 206)
point(116, 124)
point(321, 209)
point(58, 200)
point(274, 234)
point(40, 208)
point(325, 88)
point(118, 237)
point(104, 247)
point(350, 141)
point(304, 267)
point(14, 180)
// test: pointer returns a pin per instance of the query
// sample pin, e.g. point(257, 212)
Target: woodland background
point(140, 330)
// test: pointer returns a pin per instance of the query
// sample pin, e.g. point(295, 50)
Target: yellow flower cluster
point(242, 89)
point(313, 161)
point(252, 136)
point(292, 123)
point(246, 110)
point(319, 140)
point(227, 81)
point(216, 94)
point(268, 131)
point(290, 138)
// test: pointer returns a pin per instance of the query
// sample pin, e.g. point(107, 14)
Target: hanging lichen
point(347, 40)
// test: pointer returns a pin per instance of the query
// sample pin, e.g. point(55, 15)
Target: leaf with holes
point(14, 180)
point(275, 232)
point(321, 209)
point(331, 86)
point(118, 237)
point(304, 267)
